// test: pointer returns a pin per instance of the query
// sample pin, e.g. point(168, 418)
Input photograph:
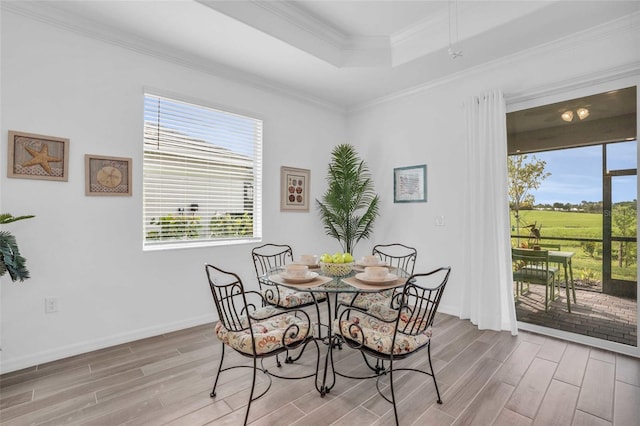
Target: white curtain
point(488, 286)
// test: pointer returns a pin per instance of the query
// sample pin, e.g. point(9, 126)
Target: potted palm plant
point(349, 207)
point(10, 259)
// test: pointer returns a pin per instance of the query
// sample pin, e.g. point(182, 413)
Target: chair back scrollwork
point(269, 257)
point(397, 255)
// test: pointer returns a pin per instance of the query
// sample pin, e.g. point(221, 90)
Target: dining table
point(326, 289)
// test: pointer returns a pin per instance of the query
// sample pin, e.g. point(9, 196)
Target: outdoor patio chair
point(553, 247)
point(532, 267)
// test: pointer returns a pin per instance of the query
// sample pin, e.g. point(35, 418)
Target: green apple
point(337, 258)
point(326, 258)
point(347, 258)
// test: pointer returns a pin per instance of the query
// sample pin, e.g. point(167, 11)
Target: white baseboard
point(8, 365)
point(450, 310)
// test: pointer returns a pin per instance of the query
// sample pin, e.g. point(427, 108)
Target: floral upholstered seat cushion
point(377, 334)
point(286, 298)
point(409, 321)
point(365, 300)
point(270, 334)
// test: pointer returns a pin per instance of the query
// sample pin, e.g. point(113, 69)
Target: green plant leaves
point(12, 261)
point(350, 206)
point(8, 218)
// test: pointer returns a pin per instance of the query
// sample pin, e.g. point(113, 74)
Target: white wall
point(428, 127)
point(87, 251)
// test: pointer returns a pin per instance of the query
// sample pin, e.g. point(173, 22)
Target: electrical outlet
point(50, 305)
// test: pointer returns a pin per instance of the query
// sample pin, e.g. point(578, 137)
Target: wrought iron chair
point(253, 330)
point(266, 259)
point(532, 266)
point(270, 257)
point(396, 256)
point(399, 331)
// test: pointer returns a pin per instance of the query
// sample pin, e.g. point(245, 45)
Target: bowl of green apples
point(336, 265)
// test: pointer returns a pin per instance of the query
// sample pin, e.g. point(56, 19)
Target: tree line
point(583, 206)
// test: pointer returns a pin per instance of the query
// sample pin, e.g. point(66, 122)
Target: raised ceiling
point(339, 53)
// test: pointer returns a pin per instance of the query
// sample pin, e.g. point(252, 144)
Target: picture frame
point(110, 176)
point(294, 189)
point(33, 156)
point(410, 184)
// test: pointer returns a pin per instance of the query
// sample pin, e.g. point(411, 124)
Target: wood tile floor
point(485, 377)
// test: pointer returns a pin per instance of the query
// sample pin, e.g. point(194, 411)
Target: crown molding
point(418, 29)
point(46, 13)
point(617, 27)
point(433, 33)
point(578, 82)
point(307, 22)
point(288, 23)
point(293, 25)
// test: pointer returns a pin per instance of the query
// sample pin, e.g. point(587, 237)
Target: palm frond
point(350, 190)
point(11, 260)
point(8, 218)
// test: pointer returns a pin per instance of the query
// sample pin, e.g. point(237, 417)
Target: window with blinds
point(201, 175)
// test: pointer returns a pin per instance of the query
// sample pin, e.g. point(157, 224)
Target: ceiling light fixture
point(567, 116)
point(453, 19)
point(582, 113)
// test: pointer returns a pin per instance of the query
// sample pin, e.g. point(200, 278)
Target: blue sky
point(576, 174)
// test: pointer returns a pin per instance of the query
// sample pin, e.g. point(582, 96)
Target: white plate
point(299, 280)
point(369, 280)
point(310, 265)
point(364, 265)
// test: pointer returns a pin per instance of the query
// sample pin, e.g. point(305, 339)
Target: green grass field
point(573, 225)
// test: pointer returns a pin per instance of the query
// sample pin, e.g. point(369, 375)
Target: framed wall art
point(107, 175)
point(410, 184)
point(294, 189)
point(38, 157)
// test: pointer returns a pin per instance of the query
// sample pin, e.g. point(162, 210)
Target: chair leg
point(433, 374)
point(378, 368)
point(215, 383)
point(546, 296)
point(253, 386)
point(393, 394)
point(290, 360)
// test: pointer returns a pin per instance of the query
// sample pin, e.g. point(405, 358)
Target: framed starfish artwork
point(38, 157)
point(107, 175)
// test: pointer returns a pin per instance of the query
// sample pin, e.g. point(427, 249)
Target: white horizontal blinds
point(202, 173)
